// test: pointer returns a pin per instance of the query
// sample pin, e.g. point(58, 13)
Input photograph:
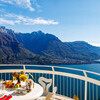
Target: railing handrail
point(51, 67)
point(94, 81)
point(78, 70)
point(85, 78)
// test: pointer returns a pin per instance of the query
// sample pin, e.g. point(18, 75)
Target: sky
point(69, 20)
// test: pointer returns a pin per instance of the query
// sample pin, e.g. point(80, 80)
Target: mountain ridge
point(12, 51)
point(46, 45)
point(49, 45)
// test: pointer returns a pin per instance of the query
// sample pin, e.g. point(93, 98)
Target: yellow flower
point(23, 77)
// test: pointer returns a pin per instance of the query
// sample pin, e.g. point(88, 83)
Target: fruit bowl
point(9, 85)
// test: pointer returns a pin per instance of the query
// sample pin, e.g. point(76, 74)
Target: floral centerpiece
point(18, 77)
point(20, 82)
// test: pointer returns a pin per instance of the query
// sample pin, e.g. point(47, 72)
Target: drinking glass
point(23, 84)
point(15, 81)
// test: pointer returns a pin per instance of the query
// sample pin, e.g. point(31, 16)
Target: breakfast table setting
point(21, 87)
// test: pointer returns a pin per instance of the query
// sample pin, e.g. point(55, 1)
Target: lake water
point(88, 67)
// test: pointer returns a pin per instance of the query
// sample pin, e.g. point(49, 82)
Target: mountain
point(82, 46)
point(50, 46)
point(41, 48)
point(11, 50)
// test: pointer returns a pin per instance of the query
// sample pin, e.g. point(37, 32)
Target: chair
point(46, 94)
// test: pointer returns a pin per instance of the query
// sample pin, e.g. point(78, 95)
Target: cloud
point(7, 1)
point(41, 21)
point(95, 44)
point(21, 3)
point(35, 3)
point(19, 19)
point(4, 21)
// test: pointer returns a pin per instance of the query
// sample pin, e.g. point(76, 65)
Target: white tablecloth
point(36, 92)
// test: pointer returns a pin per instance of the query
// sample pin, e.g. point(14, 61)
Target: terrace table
point(36, 92)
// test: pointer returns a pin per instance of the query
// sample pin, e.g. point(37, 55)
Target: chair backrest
point(45, 86)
